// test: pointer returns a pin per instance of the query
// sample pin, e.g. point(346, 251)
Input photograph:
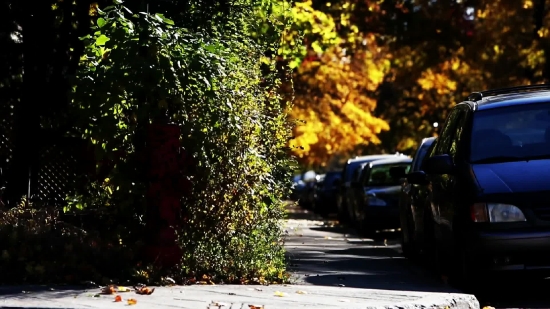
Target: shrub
point(221, 87)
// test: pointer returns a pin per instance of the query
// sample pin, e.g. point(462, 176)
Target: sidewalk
point(332, 269)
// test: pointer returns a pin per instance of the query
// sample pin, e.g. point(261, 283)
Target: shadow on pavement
point(330, 254)
point(24, 292)
point(376, 262)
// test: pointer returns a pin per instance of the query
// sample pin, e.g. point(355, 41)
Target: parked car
point(298, 186)
point(307, 195)
point(326, 193)
point(412, 200)
point(376, 195)
point(345, 183)
point(488, 180)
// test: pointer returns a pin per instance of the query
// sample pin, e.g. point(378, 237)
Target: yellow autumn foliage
point(310, 30)
point(332, 97)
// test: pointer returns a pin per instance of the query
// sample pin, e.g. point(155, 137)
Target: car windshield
point(380, 175)
point(513, 133)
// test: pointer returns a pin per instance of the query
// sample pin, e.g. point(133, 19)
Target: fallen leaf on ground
point(218, 304)
point(145, 290)
point(255, 307)
point(301, 292)
point(124, 289)
point(110, 289)
point(279, 294)
point(118, 298)
point(131, 301)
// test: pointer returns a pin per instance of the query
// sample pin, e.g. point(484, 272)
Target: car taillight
point(478, 212)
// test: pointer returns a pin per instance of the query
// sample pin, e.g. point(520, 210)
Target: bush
point(38, 246)
point(222, 89)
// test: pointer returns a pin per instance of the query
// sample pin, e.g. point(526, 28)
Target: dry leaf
point(110, 289)
point(255, 307)
point(301, 292)
point(219, 304)
point(279, 294)
point(118, 298)
point(124, 289)
point(131, 301)
point(145, 290)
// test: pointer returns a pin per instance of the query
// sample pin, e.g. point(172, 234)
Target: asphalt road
point(323, 253)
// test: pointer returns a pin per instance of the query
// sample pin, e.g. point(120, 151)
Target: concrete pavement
point(332, 269)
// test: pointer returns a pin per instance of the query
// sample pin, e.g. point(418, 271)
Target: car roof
point(402, 159)
point(374, 157)
point(427, 141)
point(391, 161)
point(510, 99)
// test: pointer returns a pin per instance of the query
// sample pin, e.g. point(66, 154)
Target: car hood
point(513, 177)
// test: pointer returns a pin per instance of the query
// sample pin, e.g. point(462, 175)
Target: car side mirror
point(417, 178)
point(439, 165)
point(397, 172)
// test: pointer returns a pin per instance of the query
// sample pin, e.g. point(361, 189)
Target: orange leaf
point(108, 290)
point(145, 290)
point(131, 301)
point(118, 298)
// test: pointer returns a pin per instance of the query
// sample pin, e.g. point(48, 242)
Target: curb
point(446, 301)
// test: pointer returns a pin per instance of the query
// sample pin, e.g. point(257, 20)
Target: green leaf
point(101, 22)
point(101, 40)
point(164, 19)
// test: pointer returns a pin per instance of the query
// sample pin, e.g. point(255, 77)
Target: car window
point(457, 132)
point(364, 177)
point(429, 152)
point(521, 131)
point(356, 173)
point(380, 175)
point(447, 133)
